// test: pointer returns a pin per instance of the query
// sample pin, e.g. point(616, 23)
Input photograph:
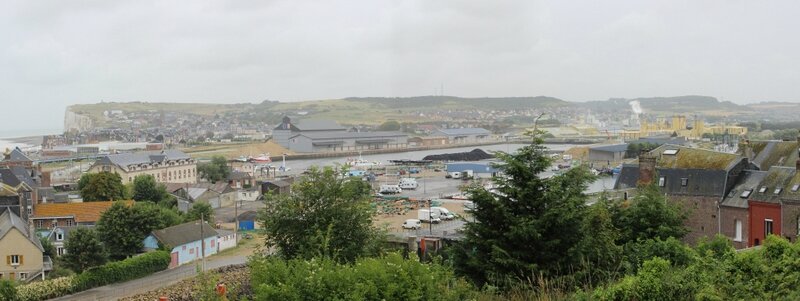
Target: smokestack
point(647, 168)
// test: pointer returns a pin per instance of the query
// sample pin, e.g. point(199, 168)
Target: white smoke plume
point(636, 107)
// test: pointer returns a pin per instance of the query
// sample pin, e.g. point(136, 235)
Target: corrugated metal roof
point(349, 135)
point(317, 125)
point(615, 148)
point(465, 131)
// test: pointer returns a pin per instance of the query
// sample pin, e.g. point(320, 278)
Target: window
point(762, 189)
point(14, 259)
point(23, 276)
point(738, 236)
point(670, 152)
point(684, 182)
point(59, 236)
point(184, 248)
point(212, 243)
point(191, 251)
point(60, 251)
point(795, 187)
point(662, 181)
point(745, 194)
point(40, 224)
point(767, 227)
point(30, 211)
point(778, 190)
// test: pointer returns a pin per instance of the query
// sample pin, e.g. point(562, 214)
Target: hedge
point(119, 271)
point(43, 290)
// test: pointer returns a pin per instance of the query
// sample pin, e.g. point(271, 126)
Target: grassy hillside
point(668, 105)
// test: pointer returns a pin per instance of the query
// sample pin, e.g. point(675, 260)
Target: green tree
point(145, 188)
point(214, 171)
point(391, 125)
point(101, 186)
point(325, 215)
point(649, 215)
point(8, 291)
point(122, 228)
point(49, 249)
point(84, 250)
point(530, 226)
point(200, 209)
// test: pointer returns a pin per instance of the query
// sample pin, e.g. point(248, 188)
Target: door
point(173, 262)
point(11, 276)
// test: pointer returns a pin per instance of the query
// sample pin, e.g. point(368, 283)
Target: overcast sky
point(56, 53)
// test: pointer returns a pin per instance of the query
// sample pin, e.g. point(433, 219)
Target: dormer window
point(662, 181)
point(59, 236)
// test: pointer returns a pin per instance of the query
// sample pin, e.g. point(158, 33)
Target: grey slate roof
point(8, 177)
point(349, 135)
point(777, 176)
point(123, 160)
point(465, 131)
point(616, 148)
point(628, 177)
point(9, 220)
point(18, 156)
point(184, 233)
point(24, 175)
point(239, 175)
point(747, 181)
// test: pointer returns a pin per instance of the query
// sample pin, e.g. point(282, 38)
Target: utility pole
point(430, 216)
point(202, 243)
point(236, 213)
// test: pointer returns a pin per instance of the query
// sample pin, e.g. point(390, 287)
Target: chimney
point(797, 163)
point(647, 168)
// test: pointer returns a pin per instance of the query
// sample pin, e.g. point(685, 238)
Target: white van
point(412, 224)
point(428, 216)
point(408, 183)
point(443, 213)
point(390, 189)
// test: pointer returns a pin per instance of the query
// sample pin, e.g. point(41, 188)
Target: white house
point(184, 241)
point(226, 239)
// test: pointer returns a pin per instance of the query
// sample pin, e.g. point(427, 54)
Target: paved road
point(152, 282)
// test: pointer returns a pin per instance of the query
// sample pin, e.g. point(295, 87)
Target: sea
point(8, 137)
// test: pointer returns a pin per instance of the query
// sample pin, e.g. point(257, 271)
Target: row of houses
point(745, 196)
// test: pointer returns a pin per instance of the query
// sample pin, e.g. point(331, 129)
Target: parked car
point(412, 224)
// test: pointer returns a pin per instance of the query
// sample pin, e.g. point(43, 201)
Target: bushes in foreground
point(119, 271)
point(128, 269)
point(382, 278)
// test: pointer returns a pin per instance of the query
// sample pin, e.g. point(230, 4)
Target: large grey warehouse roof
point(616, 148)
point(317, 125)
point(465, 131)
point(349, 135)
point(123, 160)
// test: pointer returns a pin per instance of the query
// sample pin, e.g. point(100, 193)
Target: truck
point(390, 189)
point(467, 174)
point(453, 175)
point(443, 213)
point(408, 183)
point(426, 216)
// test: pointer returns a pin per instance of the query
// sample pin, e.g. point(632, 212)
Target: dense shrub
point(771, 272)
point(43, 290)
point(383, 278)
point(125, 270)
point(7, 290)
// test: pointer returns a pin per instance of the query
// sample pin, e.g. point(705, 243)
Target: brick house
point(697, 179)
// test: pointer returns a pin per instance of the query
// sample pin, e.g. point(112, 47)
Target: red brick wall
point(729, 215)
point(790, 214)
point(758, 213)
point(702, 220)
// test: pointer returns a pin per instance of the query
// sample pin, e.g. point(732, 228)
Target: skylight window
point(763, 189)
point(670, 152)
point(778, 190)
point(746, 193)
point(795, 187)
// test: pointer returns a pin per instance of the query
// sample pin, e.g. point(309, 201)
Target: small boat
point(263, 158)
point(360, 162)
point(242, 159)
